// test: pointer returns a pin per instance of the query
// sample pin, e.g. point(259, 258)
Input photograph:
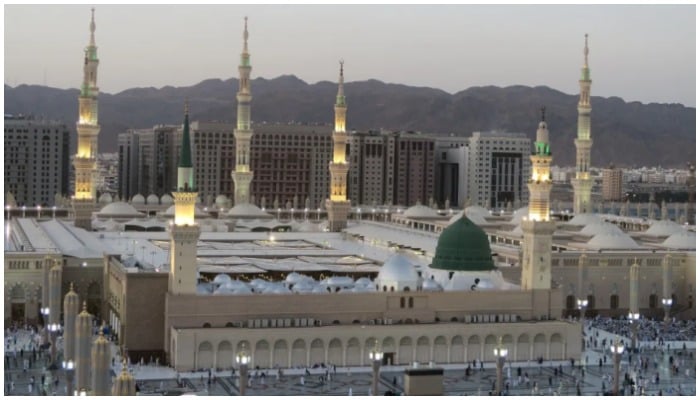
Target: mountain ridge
point(649, 134)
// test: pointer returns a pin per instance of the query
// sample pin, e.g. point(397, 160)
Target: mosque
point(193, 288)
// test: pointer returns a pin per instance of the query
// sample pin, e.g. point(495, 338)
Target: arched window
point(406, 289)
point(614, 302)
point(410, 302)
point(385, 288)
point(403, 302)
point(591, 302)
point(653, 301)
point(206, 325)
point(570, 302)
point(391, 289)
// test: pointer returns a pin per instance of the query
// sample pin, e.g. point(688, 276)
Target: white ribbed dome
point(420, 211)
point(398, 272)
point(584, 219)
point(338, 281)
point(138, 199)
point(152, 199)
point(600, 226)
point(296, 277)
point(663, 228)
point(609, 240)
point(105, 198)
point(430, 285)
point(166, 199)
point(478, 210)
point(247, 211)
point(221, 279)
point(119, 209)
point(221, 201)
point(681, 240)
point(476, 217)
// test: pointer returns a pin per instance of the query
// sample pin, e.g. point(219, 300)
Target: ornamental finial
point(92, 27)
point(245, 34)
point(187, 106)
point(585, 51)
point(543, 109)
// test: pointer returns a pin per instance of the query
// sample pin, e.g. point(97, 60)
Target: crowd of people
point(649, 330)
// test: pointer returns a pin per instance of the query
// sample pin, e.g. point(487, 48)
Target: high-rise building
point(451, 170)
point(538, 228)
point(36, 160)
point(338, 204)
point(612, 183)
point(583, 182)
point(146, 161)
point(88, 129)
point(242, 175)
point(499, 167)
point(391, 168)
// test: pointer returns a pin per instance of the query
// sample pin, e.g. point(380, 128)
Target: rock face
point(625, 133)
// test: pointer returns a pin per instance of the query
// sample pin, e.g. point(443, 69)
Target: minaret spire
point(583, 183)
point(88, 128)
point(338, 205)
point(185, 175)
point(242, 175)
point(538, 228)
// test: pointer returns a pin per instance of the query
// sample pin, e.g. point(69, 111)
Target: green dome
point(463, 246)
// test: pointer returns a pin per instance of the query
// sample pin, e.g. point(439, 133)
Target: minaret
point(184, 232)
point(71, 307)
point(242, 175)
point(85, 162)
point(338, 205)
point(538, 229)
point(583, 183)
point(83, 334)
point(101, 357)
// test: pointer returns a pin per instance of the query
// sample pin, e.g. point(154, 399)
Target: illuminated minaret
point(538, 228)
point(85, 162)
point(242, 175)
point(583, 183)
point(184, 232)
point(338, 205)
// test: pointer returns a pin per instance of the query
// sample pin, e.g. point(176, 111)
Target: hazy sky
point(644, 53)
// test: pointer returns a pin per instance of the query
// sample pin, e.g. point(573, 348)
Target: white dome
point(221, 201)
point(398, 272)
point(247, 210)
point(119, 209)
point(308, 226)
point(430, 285)
point(584, 219)
point(303, 287)
point(478, 210)
point(663, 228)
point(475, 217)
point(236, 285)
point(166, 199)
point(203, 289)
point(610, 240)
point(105, 198)
point(138, 199)
point(222, 278)
point(338, 281)
point(518, 215)
point(598, 227)
point(152, 199)
point(363, 282)
point(296, 277)
point(681, 240)
point(420, 211)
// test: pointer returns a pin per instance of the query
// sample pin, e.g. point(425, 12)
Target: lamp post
point(242, 359)
point(582, 304)
point(634, 321)
point(667, 302)
point(38, 212)
point(376, 355)
point(45, 314)
point(69, 367)
point(54, 211)
point(9, 209)
point(501, 353)
point(617, 349)
point(53, 331)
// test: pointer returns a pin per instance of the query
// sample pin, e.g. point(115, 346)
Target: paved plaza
point(586, 377)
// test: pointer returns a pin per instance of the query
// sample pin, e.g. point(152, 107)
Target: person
point(350, 392)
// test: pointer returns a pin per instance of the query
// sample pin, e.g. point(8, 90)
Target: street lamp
point(69, 367)
point(667, 303)
point(634, 321)
point(617, 349)
point(54, 211)
point(501, 353)
point(582, 304)
point(242, 358)
point(53, 331)
point(376, 356)
point(38, 212)
point(9, 209)
point(45, 314)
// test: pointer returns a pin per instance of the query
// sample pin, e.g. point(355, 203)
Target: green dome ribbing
point(463, 246)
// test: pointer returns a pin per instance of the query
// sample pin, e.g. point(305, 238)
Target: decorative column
point(633, 315)
point(583, 183)
point(101, 358)
point(376, 356)
point(85, 161)
point(124, 384)
point(501, 353)
point(242, 359)
point(617, 349)
point(667, 300)
point(71, 305)
point(83, 336)
point(55, 276)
